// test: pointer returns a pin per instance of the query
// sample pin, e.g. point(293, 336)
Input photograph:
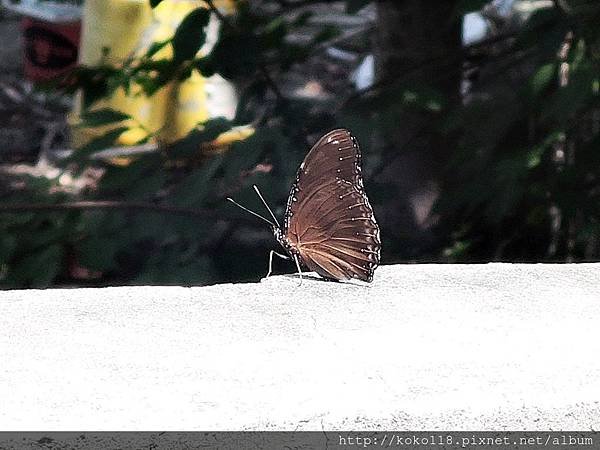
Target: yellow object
point(114, 27)
point(228, 138)
point(114, 31)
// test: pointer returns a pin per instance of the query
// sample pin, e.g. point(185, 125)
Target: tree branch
point(114, 205)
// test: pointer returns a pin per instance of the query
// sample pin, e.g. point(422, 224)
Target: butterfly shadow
point(305, 276)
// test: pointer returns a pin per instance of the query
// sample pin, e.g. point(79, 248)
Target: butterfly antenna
point(267, 206)
point(251, 212)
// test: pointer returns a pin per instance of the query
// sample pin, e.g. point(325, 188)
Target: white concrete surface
point(425, 347)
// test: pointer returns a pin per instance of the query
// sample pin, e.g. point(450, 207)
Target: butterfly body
point(289, 247)
point(329, 224)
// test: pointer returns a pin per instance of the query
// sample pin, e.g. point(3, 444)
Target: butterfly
point(329, 226)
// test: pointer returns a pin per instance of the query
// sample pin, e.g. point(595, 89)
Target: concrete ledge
point(425, 347)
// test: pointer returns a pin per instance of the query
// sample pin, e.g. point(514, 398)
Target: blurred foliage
point(521, 183)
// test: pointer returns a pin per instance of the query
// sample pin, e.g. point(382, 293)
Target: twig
point(107, 204)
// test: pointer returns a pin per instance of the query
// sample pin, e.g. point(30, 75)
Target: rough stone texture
point(429, 347)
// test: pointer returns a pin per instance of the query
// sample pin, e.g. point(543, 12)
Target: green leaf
point(205, 66)
point(542, 78)
point(190, 35)
point(99, 143)
point(326, 34)
point(190, 144)
point(156, 47)
point(274, 33)
point(302, 19)
point(458, 250)
point(103, 117)
point(534, 155)
point(235, 53)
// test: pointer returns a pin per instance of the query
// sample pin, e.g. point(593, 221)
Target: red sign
point(51, 49)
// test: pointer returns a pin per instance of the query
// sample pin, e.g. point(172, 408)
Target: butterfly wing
point(329, 220)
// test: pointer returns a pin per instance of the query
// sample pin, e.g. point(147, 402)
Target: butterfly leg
point(298, 267)
point(273, 252)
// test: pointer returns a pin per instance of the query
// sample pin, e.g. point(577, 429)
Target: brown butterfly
point(329, 224)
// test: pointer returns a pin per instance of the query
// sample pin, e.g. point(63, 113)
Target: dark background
point(479, 128)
